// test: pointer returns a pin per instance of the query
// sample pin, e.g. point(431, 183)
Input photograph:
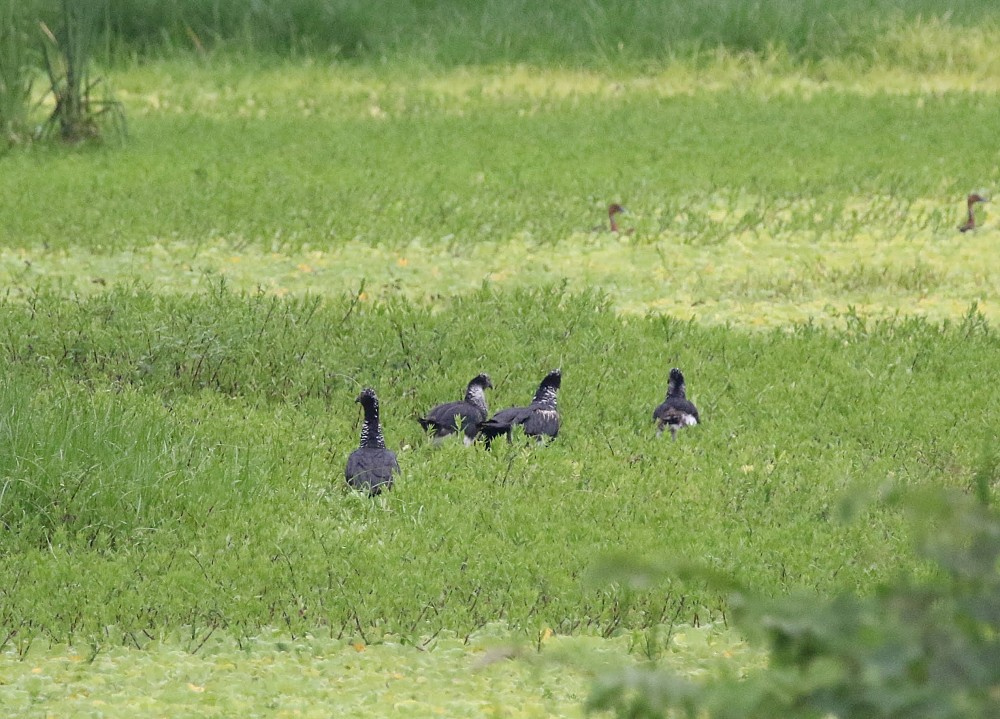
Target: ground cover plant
point(272, 675)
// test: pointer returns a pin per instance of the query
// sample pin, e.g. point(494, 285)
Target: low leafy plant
point(921, 646)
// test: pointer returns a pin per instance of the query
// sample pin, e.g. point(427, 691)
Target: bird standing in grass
point(614, 209)
point(540, 419)
point(371, 467)
point(467, 415)
point(676, 410)
point(970, 221)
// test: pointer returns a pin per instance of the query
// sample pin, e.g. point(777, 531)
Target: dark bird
point(467, 415)
point(614, 209)
point(970, 222)
point(676, 410)
point(371, 466)
point(540, 419)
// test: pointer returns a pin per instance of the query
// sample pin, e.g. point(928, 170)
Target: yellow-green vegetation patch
point(938, 59)
point(760, 272)
point(273, 675)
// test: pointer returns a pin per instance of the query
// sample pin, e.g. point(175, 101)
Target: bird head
point(976, 197)
point(615, 209)
point(367, 398)
point(482, 380)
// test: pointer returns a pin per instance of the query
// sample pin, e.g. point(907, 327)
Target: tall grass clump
point(16, 73)
point(298, 27)
point(102, 468)
point(68, 57)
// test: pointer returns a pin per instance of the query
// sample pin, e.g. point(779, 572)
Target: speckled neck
point(546, 396)
point(371, 429)
point(475, 396)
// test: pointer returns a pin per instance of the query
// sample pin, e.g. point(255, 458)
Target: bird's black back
point(442, 418)
point(676, 410)
point(672, 407)
point(371, 469)
point(539, 419)
point(542, 422)
point(466, 414)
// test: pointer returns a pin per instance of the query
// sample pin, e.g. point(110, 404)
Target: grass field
point(188, 317)
point(177, 463)
point(761, 200)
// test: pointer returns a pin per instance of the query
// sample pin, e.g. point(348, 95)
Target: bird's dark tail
point(490, 430)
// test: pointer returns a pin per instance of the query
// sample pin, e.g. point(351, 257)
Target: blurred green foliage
point(924, 645)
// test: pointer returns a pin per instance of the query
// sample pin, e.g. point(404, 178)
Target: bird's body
point(676, 410)
point(970, 220)
point(466, 415)
point(370, 468)
point(540, 419)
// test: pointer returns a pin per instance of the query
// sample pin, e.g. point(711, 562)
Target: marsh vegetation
point(188, 316)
